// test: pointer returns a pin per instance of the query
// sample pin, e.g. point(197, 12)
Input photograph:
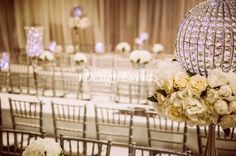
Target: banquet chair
point(149, 151)
point(221, 140)
point(69, 119)
point(26, 115)
point(13, 142)
point(115, 124)
point(4, 75)
point(166, 133)
point(84, 147)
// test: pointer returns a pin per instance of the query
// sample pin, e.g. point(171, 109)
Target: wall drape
point(112, 21)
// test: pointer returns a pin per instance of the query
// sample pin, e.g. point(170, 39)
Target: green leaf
point(226, 131)
point(162, 92)
point(138, 61)
point(62, 153)
point(152, 99)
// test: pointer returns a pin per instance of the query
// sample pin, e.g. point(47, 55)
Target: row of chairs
point(86, 147)
point(116, 124)
point(60, 82)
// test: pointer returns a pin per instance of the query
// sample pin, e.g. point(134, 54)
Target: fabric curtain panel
point(112, 21)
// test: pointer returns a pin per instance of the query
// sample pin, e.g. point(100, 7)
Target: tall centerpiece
point(204, 93)
point(34, 47)
point(78, 20)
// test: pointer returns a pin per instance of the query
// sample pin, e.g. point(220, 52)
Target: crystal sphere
point(207, 37)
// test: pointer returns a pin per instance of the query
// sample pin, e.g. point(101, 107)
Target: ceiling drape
point(112, 21)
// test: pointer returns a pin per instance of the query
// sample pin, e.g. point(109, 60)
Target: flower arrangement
point(80, 58)
point(123, 47)
point(69, 49)
point(46, 56)
point(196, 99)
point(140, 57)
point(43, 147)
point(77, 22)
point(157, 48)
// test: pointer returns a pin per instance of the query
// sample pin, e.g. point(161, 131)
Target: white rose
point(175, 100)
point(232, 106)
point(221, 107)
point(194, 106)
point(123, 47)
point(175, 113)
point(157, 48)
point(225, 91)
point(212, 96)
point(216, 78)
point(181, 80)
point(231, 76)
point(197, 84)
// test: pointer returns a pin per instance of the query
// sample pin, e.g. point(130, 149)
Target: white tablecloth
point(140, 131)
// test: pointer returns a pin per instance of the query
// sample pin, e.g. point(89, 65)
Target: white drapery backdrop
point(112, 21)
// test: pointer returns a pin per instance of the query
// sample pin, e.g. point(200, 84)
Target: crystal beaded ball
point(207, 37)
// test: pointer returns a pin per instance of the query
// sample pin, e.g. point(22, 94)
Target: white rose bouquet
point(123, 47)
point(140, 57)
point(196, 99)
point(80, 58)
point(43, 147)
point(46, 56)
point(157, 48)
point(76, 22)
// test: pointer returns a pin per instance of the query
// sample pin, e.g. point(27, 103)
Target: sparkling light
point(34, 43)
point(4, 60)
point(144, 36)
point(99, 47)
point(52, 46)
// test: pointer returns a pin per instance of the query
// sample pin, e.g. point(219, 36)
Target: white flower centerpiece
point(80, 58)
point(123, 47)
point(46, 56)
point(140, 57)
point(43, 147)
point(196, 99)
point(157, 48)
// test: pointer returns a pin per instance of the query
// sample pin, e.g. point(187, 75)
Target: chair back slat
point(164, 132)
point(13, 142)
point(120, 119)
point(83, 146)
point(27, 113)
point(68, 118)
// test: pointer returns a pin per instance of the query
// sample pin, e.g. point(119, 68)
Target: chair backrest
point(221, 139)
point(84, 146)
point(13, 142)
point(166, 133)
point(115, 124)
point(69, 119)
point(27, 114)
point(148, 151)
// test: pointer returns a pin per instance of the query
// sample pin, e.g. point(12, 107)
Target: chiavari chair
point(27, 115)
point(45, 81)
point(166, 133)
point(4, 77)
point(84, 147)
point(149, 151)
point(13, 142)
point(115, 124)
point(221, 140)
point(69, 119)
